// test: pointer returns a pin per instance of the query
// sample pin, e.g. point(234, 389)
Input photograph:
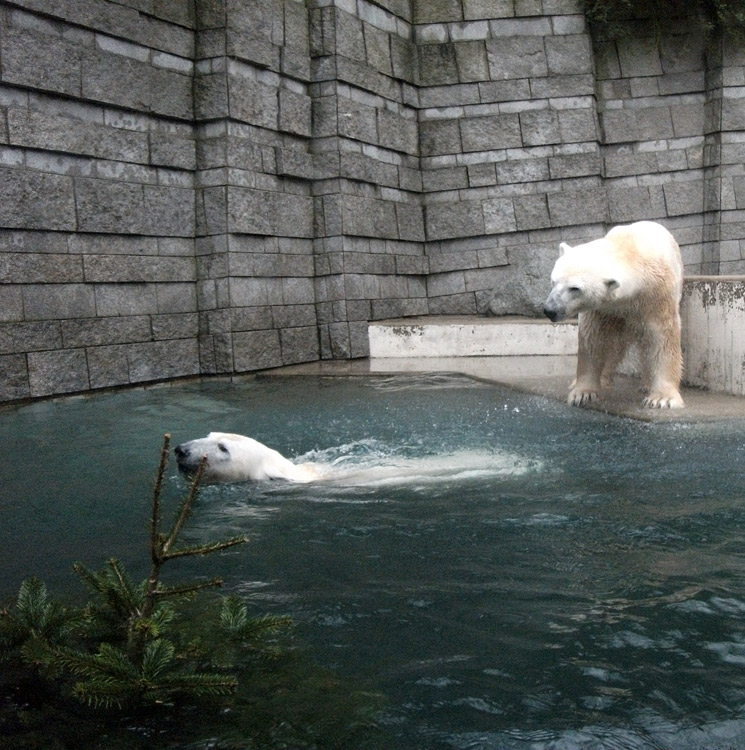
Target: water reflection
point(512, 573)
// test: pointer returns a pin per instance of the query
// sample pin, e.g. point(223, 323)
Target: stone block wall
point(724, 163)
point(370, 237)
point(97, 219)
point(217, 186)
point(652, 98)
point(254, 204)
point(511, 161)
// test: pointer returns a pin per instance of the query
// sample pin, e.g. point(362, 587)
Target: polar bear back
point(646, 248)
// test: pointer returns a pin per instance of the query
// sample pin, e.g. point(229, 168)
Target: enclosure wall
point(216, 186)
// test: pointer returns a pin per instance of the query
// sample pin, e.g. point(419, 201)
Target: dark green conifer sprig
point(125, 646)
point(109, 678)
point(138, 645)
point(35, 615)
point(36, 624)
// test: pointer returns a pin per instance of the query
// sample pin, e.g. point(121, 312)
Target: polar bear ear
point(564, 247)
point(612, 284)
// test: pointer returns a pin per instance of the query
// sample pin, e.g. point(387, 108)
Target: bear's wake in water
point(236, 458)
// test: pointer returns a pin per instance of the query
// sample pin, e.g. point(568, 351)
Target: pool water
point(509, 571)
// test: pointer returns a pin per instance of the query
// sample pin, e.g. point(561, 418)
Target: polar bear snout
point(188, 460)
point(183, 457)
point(552, 314)
point(554, 309)
point(182, 452)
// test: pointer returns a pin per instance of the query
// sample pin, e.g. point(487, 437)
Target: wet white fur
point(237, 458)
point(626, 288)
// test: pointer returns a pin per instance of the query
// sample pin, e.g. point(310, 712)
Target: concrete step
point(471, 336)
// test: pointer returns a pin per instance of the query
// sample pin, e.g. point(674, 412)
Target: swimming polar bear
point(237, 458)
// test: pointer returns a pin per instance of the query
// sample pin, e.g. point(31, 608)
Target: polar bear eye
point(574, 289)
point(222, 448)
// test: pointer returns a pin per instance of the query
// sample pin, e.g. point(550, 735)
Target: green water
point(509, 571)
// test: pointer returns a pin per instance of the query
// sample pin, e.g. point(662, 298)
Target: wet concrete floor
point(547, 376)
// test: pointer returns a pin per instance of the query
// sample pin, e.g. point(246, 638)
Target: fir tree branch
point(186, 588)
point(198, 683)
point(88, 576)
point(205, 549)
point(109, 663)
point(184, 510)
point(125, 590)
point(155, 518)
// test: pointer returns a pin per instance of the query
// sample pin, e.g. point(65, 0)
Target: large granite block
point(438, 65)
point(627, 204)
point(118, 299)
point(58, 301)
point(256, 350)
point(438, 137)
point(491, 132)
point(35, 200)
point(639, 56)
point(569, 54)
point(398, 132)
point(123, 268)
point(253, 102)
point(14, 383)
point(567, 208)
point(449, 220)
point(170, 150)
point(294, 112)
point(516, 57)
point(136, 84)
point(410, 218)
point(299, 344)
point(39, 130)
point(109, 206)
point(33, 268)
point(169, 211)
point(44, 61)
point(539, 127)
point(499, 216)
point(57, 372)
point(162, 360)
point(438, 11)
point(11, 303)
point(36, 336)
point(684, 197)
point(95, 332)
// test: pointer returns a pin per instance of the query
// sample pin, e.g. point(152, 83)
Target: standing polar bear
point(626, 288)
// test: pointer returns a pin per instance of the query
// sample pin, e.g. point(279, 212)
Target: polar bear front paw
point(582, 396)
point(660, 400)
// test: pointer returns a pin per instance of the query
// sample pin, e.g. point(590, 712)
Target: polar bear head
point(584, 278)
point(237, 458)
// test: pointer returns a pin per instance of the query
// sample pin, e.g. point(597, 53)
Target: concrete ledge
point(713, 317)
point(713, 336)
point(466, 336)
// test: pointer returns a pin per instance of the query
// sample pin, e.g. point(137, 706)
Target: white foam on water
point(370, 463)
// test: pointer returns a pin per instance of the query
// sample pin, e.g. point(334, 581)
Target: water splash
point(373, 463)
